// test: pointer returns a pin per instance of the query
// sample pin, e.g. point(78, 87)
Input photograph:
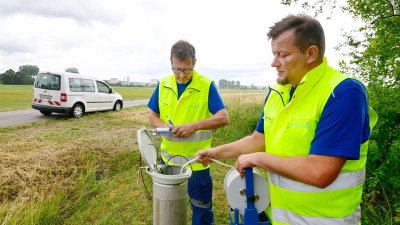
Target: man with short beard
point(312, 136)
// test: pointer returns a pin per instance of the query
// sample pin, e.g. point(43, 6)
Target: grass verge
point(86, 171)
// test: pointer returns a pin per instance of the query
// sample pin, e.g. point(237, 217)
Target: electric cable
point(221, 163)
point(214, 160)
point(138, 178)
point(191, 177)
point(144, 184)
point(184, 165)
point(189, 162)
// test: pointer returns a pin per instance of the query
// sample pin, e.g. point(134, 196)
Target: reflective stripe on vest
point(281, 216)
point(178, 159)
point(199, 136)
point(344, 180)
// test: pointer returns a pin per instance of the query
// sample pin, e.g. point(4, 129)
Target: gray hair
point(183, 49)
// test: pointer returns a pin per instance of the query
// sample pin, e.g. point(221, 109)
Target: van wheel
point(117, 106)
point(44, 112)
point(77, 110)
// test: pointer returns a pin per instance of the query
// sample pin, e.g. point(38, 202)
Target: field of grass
point(15, 97)
point(86, 171)
point(19, 97)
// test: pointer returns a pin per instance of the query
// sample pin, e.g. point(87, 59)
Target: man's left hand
point(184, 130)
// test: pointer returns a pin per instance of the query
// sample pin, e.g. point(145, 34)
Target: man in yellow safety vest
point(189, 102)
point(312, 136)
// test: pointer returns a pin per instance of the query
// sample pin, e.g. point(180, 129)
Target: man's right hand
point(204, 156)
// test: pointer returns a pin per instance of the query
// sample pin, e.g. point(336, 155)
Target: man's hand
point(184, 130)
point(205, 156)
point(246, 161)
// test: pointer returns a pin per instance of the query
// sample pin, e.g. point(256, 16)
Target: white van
point(72, 93)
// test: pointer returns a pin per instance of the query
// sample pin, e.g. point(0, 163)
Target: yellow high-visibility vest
point(289, 128)
point(191, 106)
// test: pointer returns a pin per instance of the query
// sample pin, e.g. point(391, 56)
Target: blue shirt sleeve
point(153, 102)
point(344, 123)
point(260, 124)
point(215, 102)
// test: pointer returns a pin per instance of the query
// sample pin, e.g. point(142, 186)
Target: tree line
point(25, 75)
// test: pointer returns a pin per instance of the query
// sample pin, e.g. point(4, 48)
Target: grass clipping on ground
point(46, 158)
point(43, 160)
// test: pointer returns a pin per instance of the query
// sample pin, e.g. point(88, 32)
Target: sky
point(133, 38)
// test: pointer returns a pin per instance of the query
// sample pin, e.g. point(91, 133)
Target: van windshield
point(48, 81)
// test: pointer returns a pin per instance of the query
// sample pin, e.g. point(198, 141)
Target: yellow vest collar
point(315, 74)
point(193, 84)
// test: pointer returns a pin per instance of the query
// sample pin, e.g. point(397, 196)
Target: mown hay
point(48, 157)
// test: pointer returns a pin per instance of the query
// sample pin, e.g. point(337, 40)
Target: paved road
point(20, 117)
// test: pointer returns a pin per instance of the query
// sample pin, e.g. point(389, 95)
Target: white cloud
point(83, 12)
point(132, 38)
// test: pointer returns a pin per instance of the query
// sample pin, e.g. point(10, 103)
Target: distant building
point(254, 87)
point(140, 84)
point(114, 81)
point(127, 82)
point(153, 82)
point(123, 83)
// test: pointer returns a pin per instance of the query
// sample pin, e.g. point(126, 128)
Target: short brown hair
point(307, 30)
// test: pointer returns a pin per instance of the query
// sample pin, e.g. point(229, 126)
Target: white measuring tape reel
point(235, 189)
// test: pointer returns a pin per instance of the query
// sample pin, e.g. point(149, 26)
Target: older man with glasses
point(189, 102)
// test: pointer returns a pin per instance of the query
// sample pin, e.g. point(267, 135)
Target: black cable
point(140, 165)
point(190, 198)
point(144, 184)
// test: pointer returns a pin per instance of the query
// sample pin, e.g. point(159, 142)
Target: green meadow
point(19, 97)
point(88, 170)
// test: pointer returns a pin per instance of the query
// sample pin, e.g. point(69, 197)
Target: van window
point(75, 85)
point(88, 85)
point(102, 87)
point(81, 85)
point(48, 81)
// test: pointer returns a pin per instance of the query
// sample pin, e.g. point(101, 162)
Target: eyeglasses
point(185, 71)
